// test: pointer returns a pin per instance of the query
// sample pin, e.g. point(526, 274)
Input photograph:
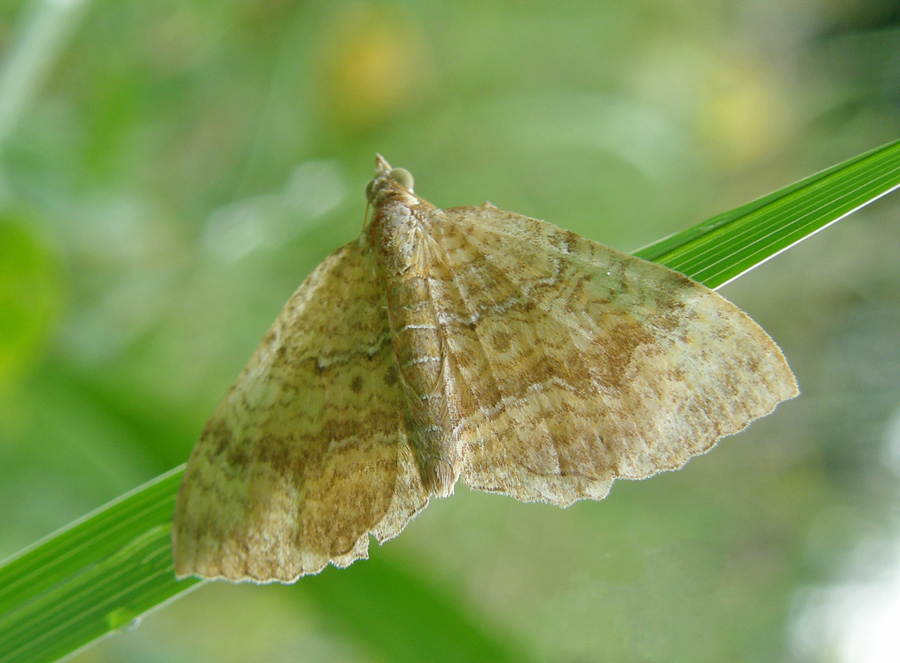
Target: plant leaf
point(722, 248)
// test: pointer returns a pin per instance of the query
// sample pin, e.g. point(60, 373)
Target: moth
point(454, 344)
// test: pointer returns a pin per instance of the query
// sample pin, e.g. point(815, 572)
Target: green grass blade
point(92, 578)
point(724, 247)
point(102, 572)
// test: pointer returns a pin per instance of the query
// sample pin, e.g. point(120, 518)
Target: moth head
point(389, 182)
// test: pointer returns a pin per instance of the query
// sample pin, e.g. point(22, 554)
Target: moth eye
point(369, 187)
point(402, 177)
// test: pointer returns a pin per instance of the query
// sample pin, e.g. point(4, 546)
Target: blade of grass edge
point(103, 572)
point(722, 248)
point(95, 576)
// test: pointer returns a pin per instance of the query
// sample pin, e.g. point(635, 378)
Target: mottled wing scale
point(307, 453)
point(575, 364)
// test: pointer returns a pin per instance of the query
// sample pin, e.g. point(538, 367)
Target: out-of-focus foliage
point(29, 296)
point(170, 171)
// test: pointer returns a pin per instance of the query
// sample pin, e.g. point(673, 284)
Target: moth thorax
point(403, 248)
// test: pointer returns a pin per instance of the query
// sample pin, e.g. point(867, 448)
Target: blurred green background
point(171, 171)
